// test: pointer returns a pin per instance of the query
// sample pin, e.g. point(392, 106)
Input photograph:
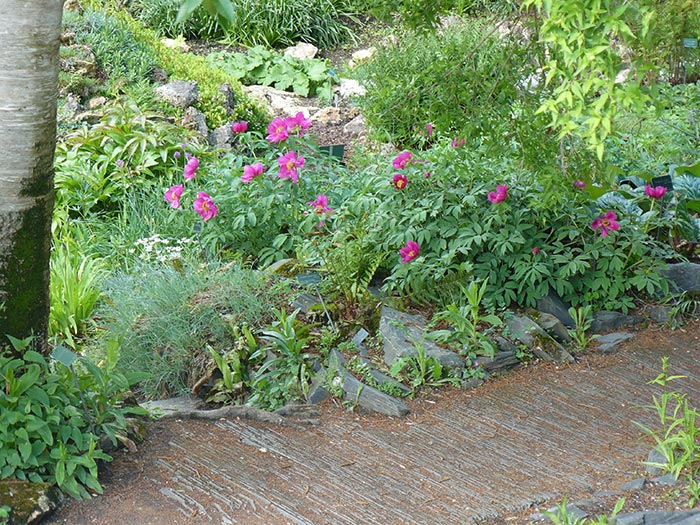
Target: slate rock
point(654, 461)
point(608, 342)
point(305, 302)
point(554, 327)
point(317, 391)
point(663, 517)
point(683, 277)
point(179, 93)
point(537, 340)
point(164, 407)
point(553, 304)
point(635, 484)
point(398, 343)
point(372, 399)
point(500, 362)
point(667, 479)
point(383, 379)
point(572, 511)
point(661, 314)
point(605, 321)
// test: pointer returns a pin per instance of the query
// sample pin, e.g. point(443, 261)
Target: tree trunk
point(29, 47)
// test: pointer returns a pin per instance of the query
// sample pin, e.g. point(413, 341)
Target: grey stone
point(221, 138)
point(554, 327)
point(195, 120)
point(164, 407)
point(572, 511)
point(179, 93)
point(661, 314)
point(608, 342)
point(229, 98)
point(79, 60)
point(667, 479)
point(357, 127)
point(305, 302)
point(683, 277)
point(317, 391)
point(635, 484)
point(71, 105)
point(655, 461)
point(662, 517)
point(397, 342)
point(537, 340)
point(29, 502)
point(605, 321)
point(96, 102)
point(372, 399)
point(500, 362)
point(552, 304)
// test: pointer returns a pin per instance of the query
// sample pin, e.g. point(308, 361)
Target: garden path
point(537, 434)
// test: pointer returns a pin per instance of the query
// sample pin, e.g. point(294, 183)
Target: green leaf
point(187, 7)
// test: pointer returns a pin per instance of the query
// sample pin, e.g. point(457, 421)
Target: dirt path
point(540, 433)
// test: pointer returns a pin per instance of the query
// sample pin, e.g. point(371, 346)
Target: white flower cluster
point(157, 248)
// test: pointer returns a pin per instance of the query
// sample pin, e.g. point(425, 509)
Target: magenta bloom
point(535, 251)
point(205, 206)
point(251, 171)
point(191, 168)
point(409, 252)
point(297, 124)
point(277, 130)
point(457, 142)
point(173, 194)
point(289, 163)
point(400, 181)
point(655, 192)
point(402, 160)
point(579, 184)
point(239, 127)
point(606, 222)
point(320, 205)
point(429, 130)
point(499, 195)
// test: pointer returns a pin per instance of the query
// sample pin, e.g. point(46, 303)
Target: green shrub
point(258, 65)
point(45, 435)
point(468, 83)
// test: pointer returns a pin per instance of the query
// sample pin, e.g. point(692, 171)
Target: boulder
point(195, 120)
point(328, 116)
point(608, 342)
point(553, 304)
point(605, 321)
point(360, 56)
point(280, 102)
point(357, 127)
point(683, 277)
point(554, 327)
point(179, 44)
point(179, 93)
point(537, 340)
point(221, 138)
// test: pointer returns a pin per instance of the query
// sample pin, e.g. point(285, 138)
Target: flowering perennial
point(281, 128)
point(205, 207)
point(579, 184)
point(402, 160)
point(605, 223)
point(655, 192)
point(400, 181)
point(499, 195)
point(289, 163)
point(409, 252)
point(320, 205)
point(239, 127)
point(173, 194)
point(191, 168)
point(251, 171)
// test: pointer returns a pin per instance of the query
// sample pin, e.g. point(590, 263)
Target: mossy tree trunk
point(29, 54)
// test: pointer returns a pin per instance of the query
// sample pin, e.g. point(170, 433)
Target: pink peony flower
point(457, 142)
point(277, 130)
point(579, 184)
point(409, 252)
point(289, 163)
point(239, 127)
point(499, 195)
point(426, 174)
point(535, 250)
point(655, 192)
point(605, 223)
point(429, 129)
point(205, 206)
point(251, 171)
point(400, 181)
point(297, 124)
point(320, 205)
point(402, 160)
point(173, 194)
point(191, 168)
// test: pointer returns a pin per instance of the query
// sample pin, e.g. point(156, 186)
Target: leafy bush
point(44, 433)
point(468, 83)
point(306, 78)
